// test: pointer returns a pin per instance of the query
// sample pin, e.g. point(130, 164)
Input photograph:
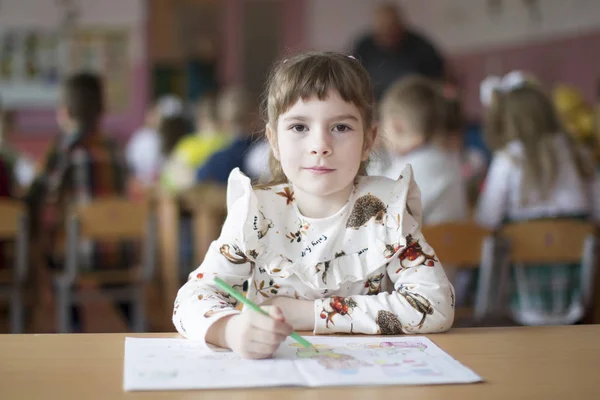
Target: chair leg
point(63, 309)
point(139, 313)
point(16, 311)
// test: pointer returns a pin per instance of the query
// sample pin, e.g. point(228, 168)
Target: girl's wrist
point(300, 314)
point(220, 333)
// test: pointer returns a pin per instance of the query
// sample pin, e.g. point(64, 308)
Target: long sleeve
point(421, 299)
point(492, 206)
point(199, 304)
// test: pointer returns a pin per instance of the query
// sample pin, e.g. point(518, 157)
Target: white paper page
point(170, 364)
point(397, 360)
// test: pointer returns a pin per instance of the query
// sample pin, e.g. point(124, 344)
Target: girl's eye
point(341, 128)
point(298, 128)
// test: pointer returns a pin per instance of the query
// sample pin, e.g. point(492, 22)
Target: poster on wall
point(29, 67)
point(33, 63)
point(105, 51)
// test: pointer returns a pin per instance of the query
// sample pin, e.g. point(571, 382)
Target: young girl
point(413, 123)
point(326, 247)
point(536, 172)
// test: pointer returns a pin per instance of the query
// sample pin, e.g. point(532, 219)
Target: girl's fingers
point(270, 323)
point(261, 350)
point(266, 337)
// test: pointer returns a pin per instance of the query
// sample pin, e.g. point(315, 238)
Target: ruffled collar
point(360, 238)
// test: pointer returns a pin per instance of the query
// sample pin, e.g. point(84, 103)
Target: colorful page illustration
point(171, 364)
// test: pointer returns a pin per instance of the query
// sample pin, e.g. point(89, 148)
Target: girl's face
point(320, 145)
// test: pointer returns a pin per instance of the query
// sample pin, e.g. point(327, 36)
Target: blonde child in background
point(193, 150)
point(537, 172)
point(324, 246)
point(238, 121)
point(413, 116)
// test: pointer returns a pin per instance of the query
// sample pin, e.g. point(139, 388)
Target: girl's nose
point(321, 144)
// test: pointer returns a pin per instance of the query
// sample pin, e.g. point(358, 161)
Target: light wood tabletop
point(523, 362)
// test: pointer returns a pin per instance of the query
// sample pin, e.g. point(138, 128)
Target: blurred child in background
point(413, 123)
point(192, 151)
point(145, 155)
point(237, 117)
point(537, 172)
point(83, 164)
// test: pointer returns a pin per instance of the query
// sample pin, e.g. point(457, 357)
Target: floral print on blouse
point(367, 268)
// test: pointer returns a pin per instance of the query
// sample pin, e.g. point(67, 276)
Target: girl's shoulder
point(386, 185)
point(248, 199)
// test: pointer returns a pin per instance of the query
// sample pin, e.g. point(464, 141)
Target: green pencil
point(240, 297)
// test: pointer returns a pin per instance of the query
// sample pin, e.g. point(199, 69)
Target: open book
point(172, 364)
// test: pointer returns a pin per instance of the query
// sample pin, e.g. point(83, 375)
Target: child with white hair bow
point(536, 172)
point(144, 150)
point(502, 84)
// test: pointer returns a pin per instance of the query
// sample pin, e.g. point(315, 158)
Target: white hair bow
point(508, 82)
point(170, 106)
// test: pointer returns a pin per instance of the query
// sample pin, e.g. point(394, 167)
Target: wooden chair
point(14, 227)
point(109, 220)
point(466, 245)
point(208, 203)
point(556, 241)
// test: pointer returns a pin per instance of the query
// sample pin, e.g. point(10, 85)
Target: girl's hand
point(256, 336)
point(297, 312)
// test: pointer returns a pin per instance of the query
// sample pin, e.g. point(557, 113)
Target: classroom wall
point(34, 125)
point(475, 42)
point(455, 25)
point(560, 46)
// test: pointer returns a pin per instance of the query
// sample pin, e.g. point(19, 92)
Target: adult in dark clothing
point(392, 51)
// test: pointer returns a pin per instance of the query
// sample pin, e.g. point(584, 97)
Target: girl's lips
point(320, 170)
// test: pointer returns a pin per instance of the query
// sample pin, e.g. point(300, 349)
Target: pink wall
point(574, 60)
point(295, 34)
point(232, 54)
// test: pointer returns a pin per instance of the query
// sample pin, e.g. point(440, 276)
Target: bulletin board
point(105, 51)
point(33, 63)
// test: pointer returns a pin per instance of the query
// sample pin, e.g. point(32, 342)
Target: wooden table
point(532, 363)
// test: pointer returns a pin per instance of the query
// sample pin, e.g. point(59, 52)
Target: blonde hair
point(315, 74)
point(207, 112)
point(527, 114)
point(233, 105)
point(421, 102)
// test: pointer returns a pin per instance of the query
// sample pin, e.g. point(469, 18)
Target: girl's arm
point(422, 300)
point(492, 205)
point(199, 304)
